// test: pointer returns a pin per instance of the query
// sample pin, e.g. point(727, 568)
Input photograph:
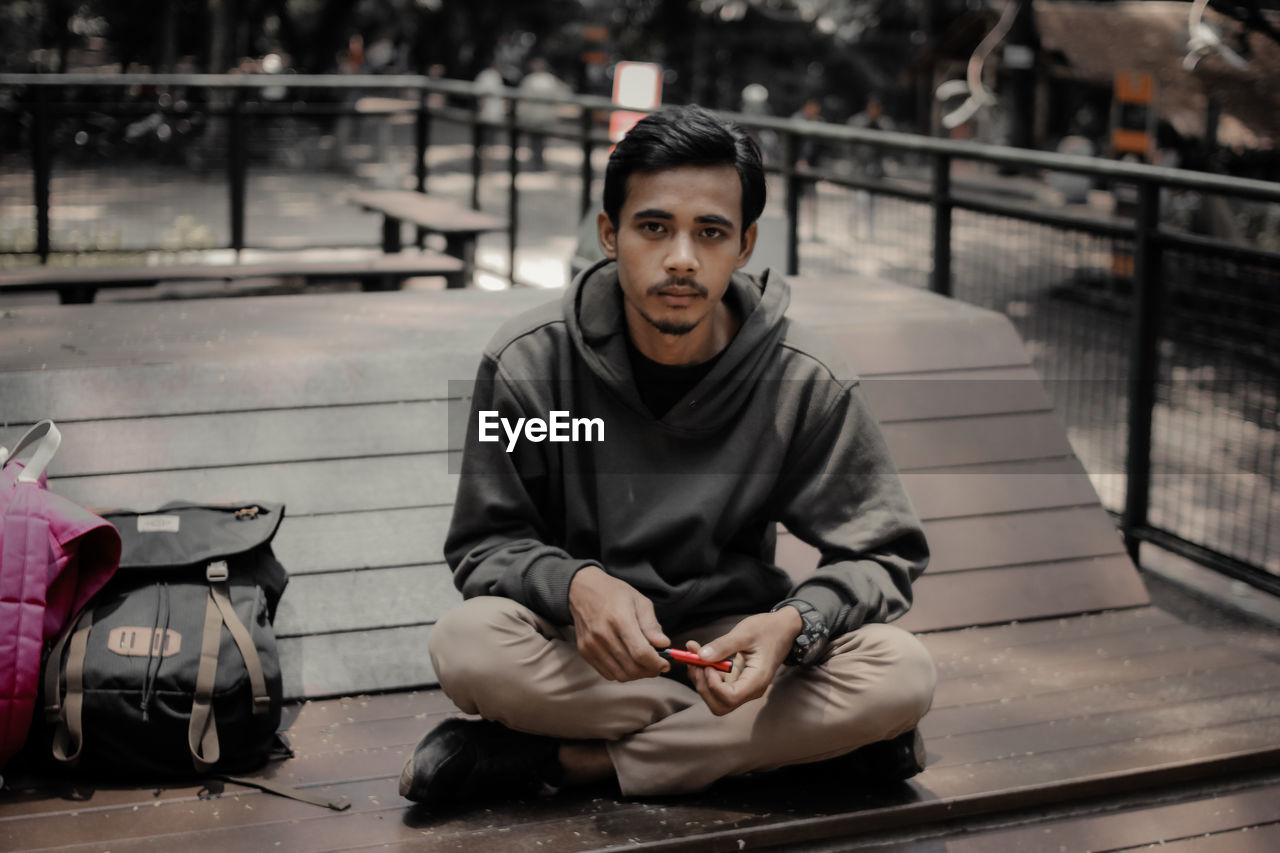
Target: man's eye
point(712, 233)
point(651, 227)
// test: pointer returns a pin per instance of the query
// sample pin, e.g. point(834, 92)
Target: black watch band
point(811, 640)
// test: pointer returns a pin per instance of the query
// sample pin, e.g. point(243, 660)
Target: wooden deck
point(1073, 688)
point(1031, 715)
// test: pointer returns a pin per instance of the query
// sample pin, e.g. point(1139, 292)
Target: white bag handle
point(48, 436)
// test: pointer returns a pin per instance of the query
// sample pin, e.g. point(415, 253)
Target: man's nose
point(681, 258)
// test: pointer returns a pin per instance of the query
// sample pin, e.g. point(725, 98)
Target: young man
point(581, 559)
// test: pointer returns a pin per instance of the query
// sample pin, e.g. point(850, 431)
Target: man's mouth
point(678, 293)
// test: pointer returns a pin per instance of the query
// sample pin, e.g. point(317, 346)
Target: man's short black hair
point(685, 136)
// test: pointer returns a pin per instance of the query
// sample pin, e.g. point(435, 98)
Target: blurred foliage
point(840, 49)
point(312, 34)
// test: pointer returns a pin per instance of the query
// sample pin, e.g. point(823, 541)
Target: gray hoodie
point(683, 508)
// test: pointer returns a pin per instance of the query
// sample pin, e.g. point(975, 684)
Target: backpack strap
point(220, 593)
point(53, 673)
point(202, 733)
point(48, 437)
point(338, 803)
point(68, 734)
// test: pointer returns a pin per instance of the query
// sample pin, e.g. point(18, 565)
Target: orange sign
point(1135, 87)
point(1133, 114)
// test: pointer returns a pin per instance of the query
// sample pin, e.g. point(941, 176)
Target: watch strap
point(811, 640)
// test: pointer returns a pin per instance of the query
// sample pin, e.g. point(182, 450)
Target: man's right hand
point(618, 633)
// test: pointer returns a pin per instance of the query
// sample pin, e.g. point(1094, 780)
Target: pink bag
point(54, 555)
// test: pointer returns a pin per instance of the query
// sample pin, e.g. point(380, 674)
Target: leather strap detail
point(220, 593)
point(338, 803)
point(53, 672)
point(68, 736)
point(202, 734)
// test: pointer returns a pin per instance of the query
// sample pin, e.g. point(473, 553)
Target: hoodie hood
point(593, 311)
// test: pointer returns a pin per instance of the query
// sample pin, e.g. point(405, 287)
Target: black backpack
point(172, 668)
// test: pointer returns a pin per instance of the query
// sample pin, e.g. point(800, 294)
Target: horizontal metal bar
point(302, 81)
point(1066, 222)
point(1229, 566)
point(270, 109)
point(1223, 248)
point(887, 188)
point(998, 154)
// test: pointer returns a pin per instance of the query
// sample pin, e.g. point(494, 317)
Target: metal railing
point(1134, 331)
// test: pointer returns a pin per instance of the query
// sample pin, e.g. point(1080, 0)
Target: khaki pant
point(498, 659)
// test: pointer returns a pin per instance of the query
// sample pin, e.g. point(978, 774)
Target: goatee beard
point(670, 327)
point(674, 327)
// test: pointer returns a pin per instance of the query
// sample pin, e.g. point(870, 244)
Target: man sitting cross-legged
point(581, 559)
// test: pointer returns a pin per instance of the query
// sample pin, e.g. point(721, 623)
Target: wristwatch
point(811, 640)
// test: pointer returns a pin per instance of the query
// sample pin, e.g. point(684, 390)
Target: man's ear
point(608, 236)
point(748, 245)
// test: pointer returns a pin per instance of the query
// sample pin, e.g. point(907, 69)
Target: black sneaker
point(893, 760)
point(896, 759)
point(473, 760)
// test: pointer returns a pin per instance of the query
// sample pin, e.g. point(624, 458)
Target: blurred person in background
point(809, 155)
point(869, 161)
point(540, 81)
point(491, 106)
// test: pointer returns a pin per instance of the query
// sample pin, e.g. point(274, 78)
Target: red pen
point(690, 659)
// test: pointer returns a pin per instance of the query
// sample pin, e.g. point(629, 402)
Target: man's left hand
point(760, 643)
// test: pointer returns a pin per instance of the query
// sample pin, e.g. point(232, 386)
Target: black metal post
point(940, 281)
point(238, 167)
point(422, 141)
point(513, 193)
point(477, 153)
point(789, 151)
point(390, 235)
point(1144, 359)
point(588, 177)
point(42, 167)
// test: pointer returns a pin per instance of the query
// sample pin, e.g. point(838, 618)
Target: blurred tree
point(21, 22)
point(313, 32)
point(1251, 13)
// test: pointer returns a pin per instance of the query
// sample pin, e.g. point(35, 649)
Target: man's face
point(679, 237)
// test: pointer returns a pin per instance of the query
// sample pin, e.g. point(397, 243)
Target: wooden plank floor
point(1239, 819)
point(339, 406)
point(1025, 715)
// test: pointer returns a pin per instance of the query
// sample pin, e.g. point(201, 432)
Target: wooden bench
point(459, 225)
point(339, 406)
point(79, 285)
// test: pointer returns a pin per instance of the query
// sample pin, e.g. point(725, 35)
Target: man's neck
point(701, 344)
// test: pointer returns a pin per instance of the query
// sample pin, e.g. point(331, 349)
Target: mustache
point(674, 281)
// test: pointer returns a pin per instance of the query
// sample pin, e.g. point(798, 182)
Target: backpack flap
point(184, 538)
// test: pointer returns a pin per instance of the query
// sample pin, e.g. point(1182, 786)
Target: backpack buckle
point(261, 704)
point(216, 572)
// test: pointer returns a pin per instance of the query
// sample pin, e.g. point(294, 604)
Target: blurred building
point(1084, 46)
point(1223, 112)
